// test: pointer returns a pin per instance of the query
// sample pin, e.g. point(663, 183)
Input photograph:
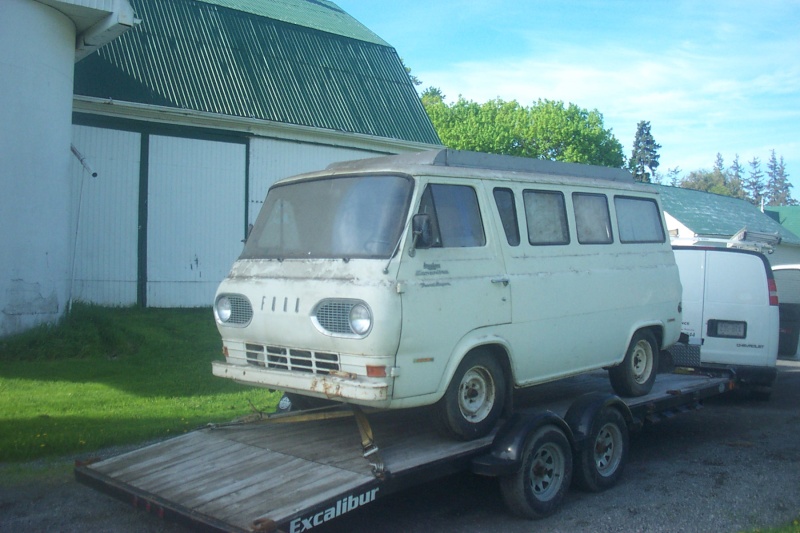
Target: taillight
point(773, 292)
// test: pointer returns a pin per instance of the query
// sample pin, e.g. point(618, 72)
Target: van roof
point(476, 160)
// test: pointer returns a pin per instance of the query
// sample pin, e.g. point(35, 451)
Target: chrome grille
point(241, 311)
point(334, 316)
point(291, 359)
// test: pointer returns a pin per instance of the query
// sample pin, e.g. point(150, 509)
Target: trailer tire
point(635, 375)
point(475, 398)
point(600, 462)
point(542, 482)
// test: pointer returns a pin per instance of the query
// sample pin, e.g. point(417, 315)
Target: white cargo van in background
point(730, 314)
point(450, 278)
point(787, 278)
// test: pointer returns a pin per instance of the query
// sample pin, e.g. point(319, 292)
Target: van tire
point(475, 398)
point(635, 375)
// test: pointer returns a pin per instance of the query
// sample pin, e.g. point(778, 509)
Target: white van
point(730, 313)
point(450, 278)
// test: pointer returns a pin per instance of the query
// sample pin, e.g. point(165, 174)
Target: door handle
point(501, 279)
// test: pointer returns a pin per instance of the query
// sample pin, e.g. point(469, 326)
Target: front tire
point(600, 462)
point(635, 375)
point(475, 398)
point(541, 484)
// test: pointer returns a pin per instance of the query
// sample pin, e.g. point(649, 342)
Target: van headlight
point(360, 319)
point(223, 308)
point(233, 310)
point(343, 317)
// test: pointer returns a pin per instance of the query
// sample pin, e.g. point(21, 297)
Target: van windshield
point(331, 218)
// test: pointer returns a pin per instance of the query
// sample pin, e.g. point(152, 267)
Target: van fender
point(583, 411)
point(658, 328)
point(505, 455)
point(472, 340)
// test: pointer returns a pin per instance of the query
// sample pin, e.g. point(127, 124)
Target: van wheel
point(474, 400)
point(637, 372)
point(600, 462)
point(542, 482)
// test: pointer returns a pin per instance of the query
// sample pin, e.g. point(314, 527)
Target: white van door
point(451, 289)
point(692, 267)
point(740, 326)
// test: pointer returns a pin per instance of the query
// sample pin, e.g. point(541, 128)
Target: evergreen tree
point(672, 174)
point(754, 185)
point(778, 186)
point(644, 154)
point(736, 179)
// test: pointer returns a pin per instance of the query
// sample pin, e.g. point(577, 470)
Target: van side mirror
point(422, 232)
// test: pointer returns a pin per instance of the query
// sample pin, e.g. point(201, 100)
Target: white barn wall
point(37, 50)
point(106, 219)
point(273, 159)
point(195, 219)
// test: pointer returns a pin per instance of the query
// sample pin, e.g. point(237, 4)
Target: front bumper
point(364, 391)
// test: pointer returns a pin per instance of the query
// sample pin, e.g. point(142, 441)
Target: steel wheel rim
point(642, 361)
point(608, 449)
point(476, 394)
point(547, 472)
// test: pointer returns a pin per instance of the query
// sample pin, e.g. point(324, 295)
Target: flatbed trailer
point(293, 472)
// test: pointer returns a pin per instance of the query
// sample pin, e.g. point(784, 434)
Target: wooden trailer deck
point(263, 476)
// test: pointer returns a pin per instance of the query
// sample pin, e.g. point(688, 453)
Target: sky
point(711, 76)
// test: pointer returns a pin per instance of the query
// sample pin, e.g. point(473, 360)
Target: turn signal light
point(376, 371)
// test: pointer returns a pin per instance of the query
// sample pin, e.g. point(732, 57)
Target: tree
point(736, 179)
point(703, 180)
point(778, 186)
point(545, 130)
point(754, 184)
point(644, 154)
point(672, 174)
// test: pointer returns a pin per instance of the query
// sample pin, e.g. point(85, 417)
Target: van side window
point(592, 220)
point(504, 198)
point(546, 216)
point(638, 220)
point(455, 215)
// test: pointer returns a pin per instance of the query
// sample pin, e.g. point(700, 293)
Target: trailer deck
point(296, 474)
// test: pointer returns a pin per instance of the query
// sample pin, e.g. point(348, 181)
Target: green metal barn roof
point(303, 62)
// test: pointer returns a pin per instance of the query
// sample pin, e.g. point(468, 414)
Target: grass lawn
point(111, 376)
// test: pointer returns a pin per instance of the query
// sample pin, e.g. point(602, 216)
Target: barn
point(180, 124)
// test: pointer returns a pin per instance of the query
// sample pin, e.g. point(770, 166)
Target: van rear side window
point(546, 216)
point(638, 220)
point(592, 220)
point(455, 215)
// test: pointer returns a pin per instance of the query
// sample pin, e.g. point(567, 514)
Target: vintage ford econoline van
point(450, 278)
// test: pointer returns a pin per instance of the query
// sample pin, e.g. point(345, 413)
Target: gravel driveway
point(732, 466)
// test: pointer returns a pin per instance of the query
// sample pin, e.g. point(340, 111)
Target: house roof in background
point(303, 62)
point(787, 216)
point(714, 215)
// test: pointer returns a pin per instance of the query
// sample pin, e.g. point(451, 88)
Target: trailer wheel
point(635, 375)
point(474, 400)
point(599, 464)
point(541, 484)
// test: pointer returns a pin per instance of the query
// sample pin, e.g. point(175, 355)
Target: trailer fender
point(582, 412)
point(505, 454)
